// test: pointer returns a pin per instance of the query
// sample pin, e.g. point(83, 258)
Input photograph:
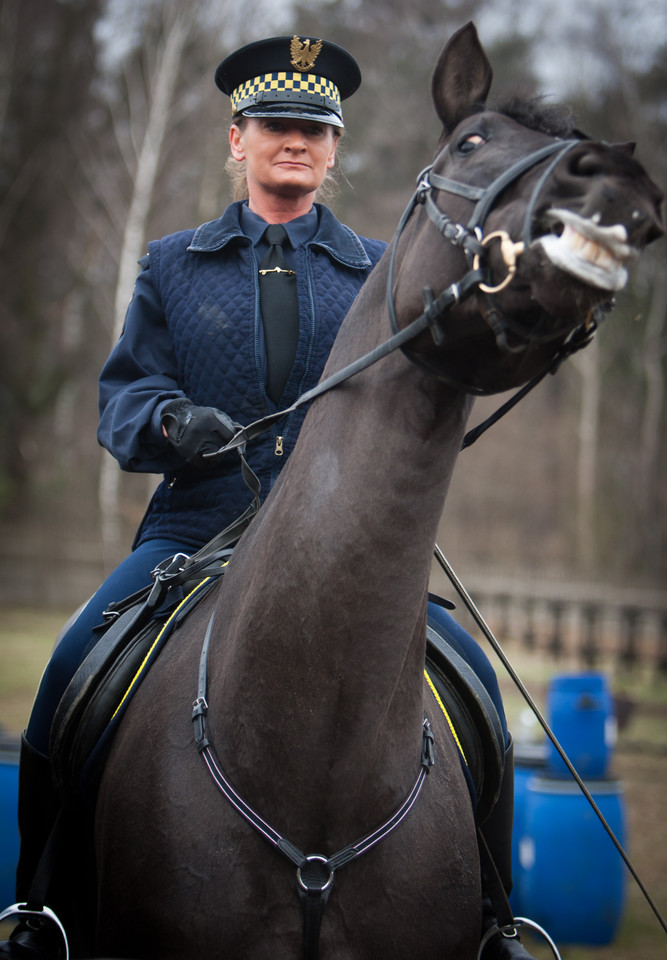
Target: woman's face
point(286, 158)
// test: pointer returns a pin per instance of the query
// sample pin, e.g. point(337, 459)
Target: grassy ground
point(640, 762)
point(26, 640)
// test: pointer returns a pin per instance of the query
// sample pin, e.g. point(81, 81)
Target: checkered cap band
point(274, 87)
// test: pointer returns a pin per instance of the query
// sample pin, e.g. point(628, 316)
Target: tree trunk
point(651, 426)
point(587, 363)
point(134, 238)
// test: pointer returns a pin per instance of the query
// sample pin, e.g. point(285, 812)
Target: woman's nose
point(295, 140)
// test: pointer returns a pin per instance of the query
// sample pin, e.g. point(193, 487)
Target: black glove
point(193, 431)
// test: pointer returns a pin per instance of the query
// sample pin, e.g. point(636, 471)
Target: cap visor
point(296, 111)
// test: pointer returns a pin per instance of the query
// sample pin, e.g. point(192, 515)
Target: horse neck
point(326, 625)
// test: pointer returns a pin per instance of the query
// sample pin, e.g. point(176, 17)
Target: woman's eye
point(470, 143)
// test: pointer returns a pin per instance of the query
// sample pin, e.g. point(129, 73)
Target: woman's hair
point(236, 171)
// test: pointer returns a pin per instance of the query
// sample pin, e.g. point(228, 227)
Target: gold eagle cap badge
point(302, 55)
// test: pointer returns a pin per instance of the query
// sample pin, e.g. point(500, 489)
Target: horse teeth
point(573, 238)
point(587, 249)
point(576, 230)
point(578, 253)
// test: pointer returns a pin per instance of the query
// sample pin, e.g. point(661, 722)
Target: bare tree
point(160, 96)
point(652, 426)
point(587, 363)
point(9, 22)
point(46, 65)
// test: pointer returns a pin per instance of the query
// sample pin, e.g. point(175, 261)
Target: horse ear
point(461, 78)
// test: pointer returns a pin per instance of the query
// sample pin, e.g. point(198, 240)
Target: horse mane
point(535, 113)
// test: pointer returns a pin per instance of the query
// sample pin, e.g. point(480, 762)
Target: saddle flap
point(473, 716)
point(103, 686)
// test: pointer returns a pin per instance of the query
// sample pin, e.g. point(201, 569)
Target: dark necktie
point(280, 310)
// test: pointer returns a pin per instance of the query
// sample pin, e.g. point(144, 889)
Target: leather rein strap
point(314, 873)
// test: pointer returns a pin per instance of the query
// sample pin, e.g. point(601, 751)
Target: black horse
point(316, 699)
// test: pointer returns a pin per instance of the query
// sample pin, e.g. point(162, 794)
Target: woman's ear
point(236, 143)
point(332, 155)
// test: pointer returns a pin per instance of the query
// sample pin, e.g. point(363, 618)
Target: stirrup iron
point(20, 911)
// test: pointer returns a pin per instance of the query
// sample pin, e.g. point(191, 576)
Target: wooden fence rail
point(588, 624)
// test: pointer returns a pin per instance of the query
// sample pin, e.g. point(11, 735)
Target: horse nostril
point(587, 165)
point(654, 232)
point(641, 220)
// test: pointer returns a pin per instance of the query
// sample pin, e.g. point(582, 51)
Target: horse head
point(538, 224)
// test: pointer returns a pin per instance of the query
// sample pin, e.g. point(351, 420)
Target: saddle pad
point(473, 716)
point(102, 688)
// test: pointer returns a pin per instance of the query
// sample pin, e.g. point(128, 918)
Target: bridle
point(470, 237)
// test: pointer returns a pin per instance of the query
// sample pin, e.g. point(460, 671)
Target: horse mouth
point(594, 254)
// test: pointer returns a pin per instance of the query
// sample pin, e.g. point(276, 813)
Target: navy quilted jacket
point(193, 329)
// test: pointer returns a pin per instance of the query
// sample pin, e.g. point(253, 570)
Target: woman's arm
point(138, 379)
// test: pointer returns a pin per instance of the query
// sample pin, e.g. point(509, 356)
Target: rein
point(314, 873)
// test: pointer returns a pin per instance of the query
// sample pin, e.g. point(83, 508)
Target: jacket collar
point(341, 243)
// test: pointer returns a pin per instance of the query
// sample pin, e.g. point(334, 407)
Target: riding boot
point(34, 938)
point(497, 832)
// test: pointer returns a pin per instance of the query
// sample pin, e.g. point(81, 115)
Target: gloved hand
point(194, 431)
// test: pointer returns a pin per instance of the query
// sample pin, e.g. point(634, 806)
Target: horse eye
point(469, 143)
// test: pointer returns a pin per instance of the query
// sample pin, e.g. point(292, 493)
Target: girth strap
point(314, 873)
point(314, 882)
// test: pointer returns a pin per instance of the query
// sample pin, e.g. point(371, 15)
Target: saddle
point(139, 626)
point(472, 718)
point(100, 691)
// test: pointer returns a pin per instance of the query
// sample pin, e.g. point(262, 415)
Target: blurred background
point(113, 133)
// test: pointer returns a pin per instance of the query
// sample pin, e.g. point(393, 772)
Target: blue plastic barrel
point(570, 877)
point(529, 761)
point(581, 714)
point(9, 835)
